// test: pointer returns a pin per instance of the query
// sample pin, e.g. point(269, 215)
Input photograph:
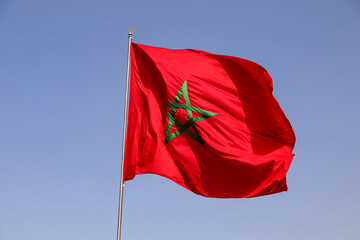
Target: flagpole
point(124, 136)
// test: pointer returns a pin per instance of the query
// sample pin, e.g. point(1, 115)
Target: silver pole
point(124, 137)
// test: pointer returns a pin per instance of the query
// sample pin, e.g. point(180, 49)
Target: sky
point(62, 85)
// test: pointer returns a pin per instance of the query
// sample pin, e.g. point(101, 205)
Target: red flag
point(207, 122)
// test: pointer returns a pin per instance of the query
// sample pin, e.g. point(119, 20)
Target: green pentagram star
point(189, 109)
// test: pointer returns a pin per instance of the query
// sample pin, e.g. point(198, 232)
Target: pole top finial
point(131, 31)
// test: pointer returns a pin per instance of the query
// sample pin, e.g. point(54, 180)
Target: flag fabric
point(207, 122)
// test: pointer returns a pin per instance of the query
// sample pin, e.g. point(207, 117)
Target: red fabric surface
point(247, 146)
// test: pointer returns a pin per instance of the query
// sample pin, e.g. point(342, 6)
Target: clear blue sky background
point(62, 78)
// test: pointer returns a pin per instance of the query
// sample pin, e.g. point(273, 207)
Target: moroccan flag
point(208, 122)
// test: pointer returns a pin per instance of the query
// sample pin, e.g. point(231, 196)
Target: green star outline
point(189, 109)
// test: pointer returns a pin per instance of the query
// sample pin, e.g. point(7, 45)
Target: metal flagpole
point(124, 136)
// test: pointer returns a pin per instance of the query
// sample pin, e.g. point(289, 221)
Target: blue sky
point(62, 78)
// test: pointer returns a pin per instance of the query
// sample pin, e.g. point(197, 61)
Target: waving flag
point(208, 122)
